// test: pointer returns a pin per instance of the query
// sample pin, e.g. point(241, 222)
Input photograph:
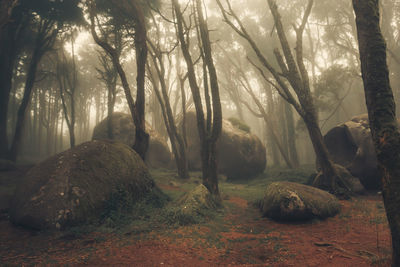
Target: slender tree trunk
point(30, 81)
point(177, 142)
point(211, 180)
point(35, 121)
point(208, 139)
point(291, 135)
point(62, 133)
point(7, 62)
point(110, 109)
point(56, 122)
point(137, 109)
point(272, 146)
point(381, 112)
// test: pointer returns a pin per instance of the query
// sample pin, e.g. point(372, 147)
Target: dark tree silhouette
point(381, 111)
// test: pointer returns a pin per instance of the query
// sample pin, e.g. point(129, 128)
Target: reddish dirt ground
point(358, 236)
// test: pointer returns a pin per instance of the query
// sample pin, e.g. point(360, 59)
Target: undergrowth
point(160, 210)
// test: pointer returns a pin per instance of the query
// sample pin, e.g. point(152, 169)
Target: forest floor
point(236, 235)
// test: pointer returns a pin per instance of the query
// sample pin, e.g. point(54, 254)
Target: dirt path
point(358, 236)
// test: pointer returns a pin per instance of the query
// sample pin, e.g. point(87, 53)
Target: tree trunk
point(291, 135)
point(208, 139)
point(30, 81)
point(137, 109)
point(211, 180)
point(7, 62)
point(381, 112)
point(271, 144)
point(177, 143)
point(110, 111)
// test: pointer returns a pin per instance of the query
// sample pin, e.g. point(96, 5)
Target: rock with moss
point(347, 181)
point(287, 201)
point(193, 207)
point(77, 186)
point(196, 200)
point(350, 145)
point(123, 130)
point(241, 154)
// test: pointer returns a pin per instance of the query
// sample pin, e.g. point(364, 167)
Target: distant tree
point(158, 78)
point(45, 19)
point(294, 73)
point(109, 76)
point(381, 111)
point(67, 78)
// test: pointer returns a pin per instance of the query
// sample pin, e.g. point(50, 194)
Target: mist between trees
point(286, 71)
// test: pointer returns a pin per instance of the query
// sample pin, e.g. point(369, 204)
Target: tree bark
point(142, 137)
point(294, 158)
point(137, 109)
point(293, 70)
point(44, 40)
point(381, 111)
point(8, 55)
point(208, 139)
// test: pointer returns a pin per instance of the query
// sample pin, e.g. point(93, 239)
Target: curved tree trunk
point(137, 109)
point(381, 111)
point(45, 38)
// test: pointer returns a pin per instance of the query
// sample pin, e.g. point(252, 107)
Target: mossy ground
point(162, 210)
point(235, 234)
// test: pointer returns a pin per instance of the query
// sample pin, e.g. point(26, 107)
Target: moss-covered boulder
point(76, 186)
point(350, 145)
point(297, 202)
point(196, 200)
point(193, 207)
point(350, 182)
point(123, 130)
point(241, 154)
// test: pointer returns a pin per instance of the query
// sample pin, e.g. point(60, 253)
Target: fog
point(329, 55)
point(117, 106)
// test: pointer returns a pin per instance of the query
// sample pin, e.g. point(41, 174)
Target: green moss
point(194, 207)
point(293, 201)
point(239, 124)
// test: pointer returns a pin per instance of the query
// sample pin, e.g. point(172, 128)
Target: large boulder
point(241, 154)
point(350, 144)
point(123, 130)
point(76, 186)
point(289, 201)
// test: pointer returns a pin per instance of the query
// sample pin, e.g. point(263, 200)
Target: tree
point(381, 111)
point(67, 78)
point(44, 19)
point(131, 10)
point(209, 129)
point(109, 76)
point(159, 80)
point(293, 72)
